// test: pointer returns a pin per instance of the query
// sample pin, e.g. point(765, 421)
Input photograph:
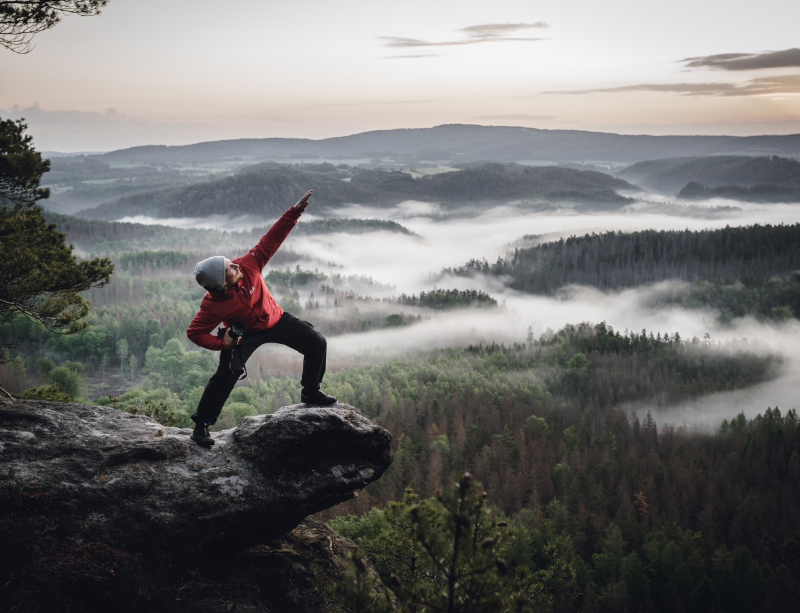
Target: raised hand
point(303, 202)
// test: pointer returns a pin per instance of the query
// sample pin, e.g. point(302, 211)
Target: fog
point(706, 413)
point(447, 240)
point(211, 222)
point(410, 264)
point(625, 310)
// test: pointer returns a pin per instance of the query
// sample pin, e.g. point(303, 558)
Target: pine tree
point(40, 278)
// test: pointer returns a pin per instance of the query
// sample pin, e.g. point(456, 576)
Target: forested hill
point(269, 189)
point(764, 192)
point(616, 259)
point(468, 143)
point(111, 237)
point(670, 175)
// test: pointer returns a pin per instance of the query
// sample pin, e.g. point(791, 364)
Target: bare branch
point(21, 21)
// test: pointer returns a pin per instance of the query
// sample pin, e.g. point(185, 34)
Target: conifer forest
point(584, 343)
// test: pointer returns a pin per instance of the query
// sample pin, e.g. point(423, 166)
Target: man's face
point(233, 274)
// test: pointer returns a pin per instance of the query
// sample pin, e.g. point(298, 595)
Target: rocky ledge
point(92, 474)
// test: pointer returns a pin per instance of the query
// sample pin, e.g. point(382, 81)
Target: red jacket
point(250, 301)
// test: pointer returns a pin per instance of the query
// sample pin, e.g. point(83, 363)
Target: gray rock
point(293, 573)
point(96, 474)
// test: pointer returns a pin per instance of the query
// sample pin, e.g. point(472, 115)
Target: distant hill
point(112, 237)
point(757, 193)
point(671, 175)
point(617, 259)
point(269, 190)
point(92, 235)
point(466, 143)
point(349, 226)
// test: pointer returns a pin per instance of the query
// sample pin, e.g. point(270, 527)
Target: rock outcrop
point(293, 574)
point(98, 475)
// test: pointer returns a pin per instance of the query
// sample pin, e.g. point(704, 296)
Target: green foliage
point(181, 370)
point(160, 404)
point(39, 277)
point(536, 426)
point(143, 262)
point(577, 367)
point(387, 538)
point(44, 366)
point(449, 554)
point(757, 193)
point(164, 411)
point(123, 239)
point(21, 166)
point(50, 392)
point(396, 320)
point(671, 174)
point(448, 299)
point(232, 414)
point(68, 380)
point(619, 501)
point(767, 299)
point(349, 226)
point(361, 591)
point(122, 352)
point(787, 553)
point(297, 278)
point(265, 189)
point(606, 199)
point(504, 182)
point(628, 259)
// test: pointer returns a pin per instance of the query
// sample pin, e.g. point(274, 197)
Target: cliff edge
point(114, 492)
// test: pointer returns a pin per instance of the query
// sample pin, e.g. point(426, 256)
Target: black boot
point(317, 398)
point(201, 435)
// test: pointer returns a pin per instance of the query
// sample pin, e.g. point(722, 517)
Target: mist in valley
point(410, 264)
point(569, 305)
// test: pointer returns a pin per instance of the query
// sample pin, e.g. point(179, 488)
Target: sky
point(183, 71)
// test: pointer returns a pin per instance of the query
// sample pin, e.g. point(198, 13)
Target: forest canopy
point(266, 189)
point(615, 260)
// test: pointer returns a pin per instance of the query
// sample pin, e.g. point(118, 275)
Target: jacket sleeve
point(199, 331)
point(260, 254)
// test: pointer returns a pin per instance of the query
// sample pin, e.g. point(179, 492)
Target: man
point(237, 294)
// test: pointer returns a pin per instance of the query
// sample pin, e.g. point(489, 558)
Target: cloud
point(494, 30)
point(786, 84)
point(788, 58)
point(67, 119)
point(410, 56)
point(94, 132)
point(475, 35)
point(515, 117)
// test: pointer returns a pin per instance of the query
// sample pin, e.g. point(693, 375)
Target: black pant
point(290, 331)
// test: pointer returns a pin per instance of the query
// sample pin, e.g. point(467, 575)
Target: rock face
point(294, 573)
point(98, 475)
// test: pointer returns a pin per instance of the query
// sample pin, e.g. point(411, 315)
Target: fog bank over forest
point(577, 351)
point(410, 264)
point(359, 273)
point(447, 240)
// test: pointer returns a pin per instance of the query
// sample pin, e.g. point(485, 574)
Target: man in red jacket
point(237, 294)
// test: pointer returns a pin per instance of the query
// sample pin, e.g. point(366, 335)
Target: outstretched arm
point(273, 239)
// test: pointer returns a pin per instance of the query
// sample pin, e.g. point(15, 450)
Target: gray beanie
point(210, 273)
